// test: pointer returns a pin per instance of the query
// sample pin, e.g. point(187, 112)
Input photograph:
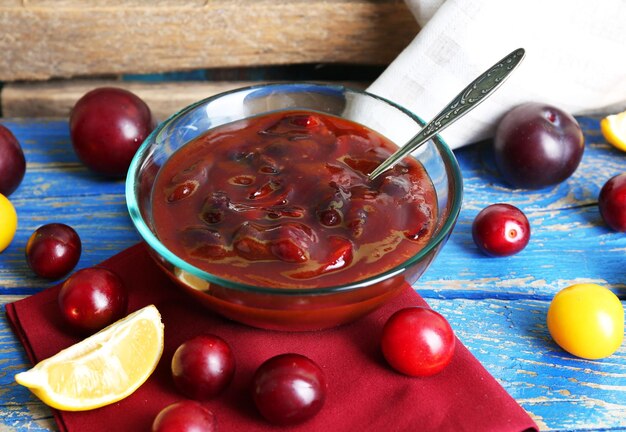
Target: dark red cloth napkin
point(364, 394)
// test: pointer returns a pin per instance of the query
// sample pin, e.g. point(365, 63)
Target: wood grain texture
point(20, 411)
point(497, 306)
point(46, 39)
point(569, 241)
point(55, 99)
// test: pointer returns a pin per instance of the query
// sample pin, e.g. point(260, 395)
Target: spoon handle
point(464, 102)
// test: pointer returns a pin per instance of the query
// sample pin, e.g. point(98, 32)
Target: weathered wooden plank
point(108, 3)
point(44, 39)
point(19, 409)
point(58, 188)
point(561, 392)
point(55, 99)
point(102, 223)
point(53, 169)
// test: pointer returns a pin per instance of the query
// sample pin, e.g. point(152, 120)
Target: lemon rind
point(36, 378)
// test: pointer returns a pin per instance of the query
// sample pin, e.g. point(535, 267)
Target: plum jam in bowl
point(257, 203)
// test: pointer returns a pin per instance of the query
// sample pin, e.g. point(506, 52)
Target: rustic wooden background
point(52, 50)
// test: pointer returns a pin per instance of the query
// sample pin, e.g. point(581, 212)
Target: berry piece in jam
point(396, 187)
point(420, 218)
point(265, 190)
point(288, 211)
point(356, 218)
point(241, 180)
point(339, 175)
point(292, 242)
point(364, 166)
point(339, 256)
point(205, 243)
point(215, 207)
point(286, 242)
point(306, 121)
point(287, 250)
point(330, 217)
point(330, 210)
point(183, 190)
point(251, 241)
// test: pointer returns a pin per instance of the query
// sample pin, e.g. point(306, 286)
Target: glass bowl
point(293, 309)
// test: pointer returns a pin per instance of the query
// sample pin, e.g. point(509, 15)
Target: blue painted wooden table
point(497, 306)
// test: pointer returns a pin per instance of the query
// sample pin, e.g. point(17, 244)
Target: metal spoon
point(464, 102)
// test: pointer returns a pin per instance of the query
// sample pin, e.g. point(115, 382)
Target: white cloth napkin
point(575, 59)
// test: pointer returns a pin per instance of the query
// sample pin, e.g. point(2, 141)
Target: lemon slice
point(613, 128)
point(8, 222)
point(102, 369)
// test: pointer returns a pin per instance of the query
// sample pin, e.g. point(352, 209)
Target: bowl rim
point(153, 242)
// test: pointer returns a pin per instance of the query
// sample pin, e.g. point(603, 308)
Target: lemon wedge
point(613, 129)
point(104, 368)
point(8, 222)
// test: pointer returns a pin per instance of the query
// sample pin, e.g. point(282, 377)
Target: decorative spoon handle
point(464, 102)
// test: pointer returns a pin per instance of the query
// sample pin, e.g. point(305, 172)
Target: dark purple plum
point(289, 388)
point(537, 145)
point(612, 202)
point(53, 250)
point(185, 416)
point(203, 366)
point(12, 162)
point(107, 126)
point(92, 298)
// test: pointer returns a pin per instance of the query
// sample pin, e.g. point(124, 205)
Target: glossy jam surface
point(283, 200)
